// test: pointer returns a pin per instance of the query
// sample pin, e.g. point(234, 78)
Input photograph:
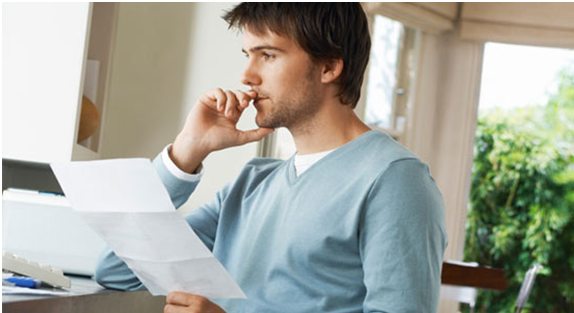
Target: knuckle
point(232, 96)
point(219, 93)
point(202, 303)
point(169, 297)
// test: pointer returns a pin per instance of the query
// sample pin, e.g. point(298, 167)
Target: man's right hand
point(212, 125)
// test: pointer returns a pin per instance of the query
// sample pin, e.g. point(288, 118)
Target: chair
point(459, 294)
point(473, 275)
point(461, 280)
point(526, 287)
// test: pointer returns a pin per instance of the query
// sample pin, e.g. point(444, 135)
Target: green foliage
point(522, 201)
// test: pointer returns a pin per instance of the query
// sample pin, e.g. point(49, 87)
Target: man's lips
point(257, 100)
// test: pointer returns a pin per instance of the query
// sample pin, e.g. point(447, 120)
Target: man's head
point(325, 31)
point(297, 51)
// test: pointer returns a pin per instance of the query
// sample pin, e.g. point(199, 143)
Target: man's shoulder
point(380, 151)
point(383, 158)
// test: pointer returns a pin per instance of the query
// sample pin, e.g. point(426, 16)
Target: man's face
point(286, 81)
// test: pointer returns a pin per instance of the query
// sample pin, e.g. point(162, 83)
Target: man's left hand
point(181, 302)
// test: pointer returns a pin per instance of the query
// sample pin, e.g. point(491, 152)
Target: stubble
point(294, 112)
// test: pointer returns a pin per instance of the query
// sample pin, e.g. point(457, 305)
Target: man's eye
point(268, 56)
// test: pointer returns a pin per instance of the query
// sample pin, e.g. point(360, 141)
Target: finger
point(254, 135)
point(252, 93)
point(181, 298)
point(215, 99)
point(220, 97)
point(171, 308)
point(243, 98)
point(231, 106)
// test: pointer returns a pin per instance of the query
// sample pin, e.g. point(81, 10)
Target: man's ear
point(331, 70)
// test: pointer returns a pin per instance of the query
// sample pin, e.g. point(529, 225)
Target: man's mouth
point(258, 100)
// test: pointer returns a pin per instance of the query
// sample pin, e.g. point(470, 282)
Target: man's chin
point(263, 122)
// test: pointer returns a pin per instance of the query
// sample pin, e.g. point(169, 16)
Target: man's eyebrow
point(258, 48)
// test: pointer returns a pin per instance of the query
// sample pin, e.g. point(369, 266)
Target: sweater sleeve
point(112, 272)
point(402, 240)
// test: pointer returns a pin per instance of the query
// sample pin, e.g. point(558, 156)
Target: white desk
point(86, 297)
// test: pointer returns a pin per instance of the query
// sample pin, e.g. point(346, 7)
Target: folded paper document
point(124, 201)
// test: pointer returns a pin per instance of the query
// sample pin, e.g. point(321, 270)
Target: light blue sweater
point(361, 230)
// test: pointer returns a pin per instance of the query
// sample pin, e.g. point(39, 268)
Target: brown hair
point(326, 31)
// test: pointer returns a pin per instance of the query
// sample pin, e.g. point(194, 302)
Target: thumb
point(254, 135)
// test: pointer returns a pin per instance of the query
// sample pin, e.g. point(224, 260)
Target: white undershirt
point(304, 162)
point(301, 163)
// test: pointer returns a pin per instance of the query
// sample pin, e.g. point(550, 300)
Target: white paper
point(148, 236)
point(121, 185)
point(13, 290)
point(124, 201)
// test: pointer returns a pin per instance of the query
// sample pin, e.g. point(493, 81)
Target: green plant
point(521, 209)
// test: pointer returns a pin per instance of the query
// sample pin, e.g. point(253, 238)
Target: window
point(391, 70)
point(523, 174)
point(382, 77)
point(515, 75)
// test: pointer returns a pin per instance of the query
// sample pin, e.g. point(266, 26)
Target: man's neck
point(331, 128)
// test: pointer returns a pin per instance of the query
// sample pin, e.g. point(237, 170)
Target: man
point(353, 222)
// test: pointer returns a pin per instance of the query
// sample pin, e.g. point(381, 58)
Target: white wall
point(42, 79)
point(166, 55)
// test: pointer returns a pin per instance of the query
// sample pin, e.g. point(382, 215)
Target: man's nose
point(251, 76)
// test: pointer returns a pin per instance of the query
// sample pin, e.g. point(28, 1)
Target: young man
point(352, 223)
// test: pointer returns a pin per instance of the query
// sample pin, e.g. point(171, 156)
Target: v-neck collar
point(292, 177)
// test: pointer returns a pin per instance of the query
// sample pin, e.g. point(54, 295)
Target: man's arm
point(111, 271)
point(210, 126)
point(402, 240)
